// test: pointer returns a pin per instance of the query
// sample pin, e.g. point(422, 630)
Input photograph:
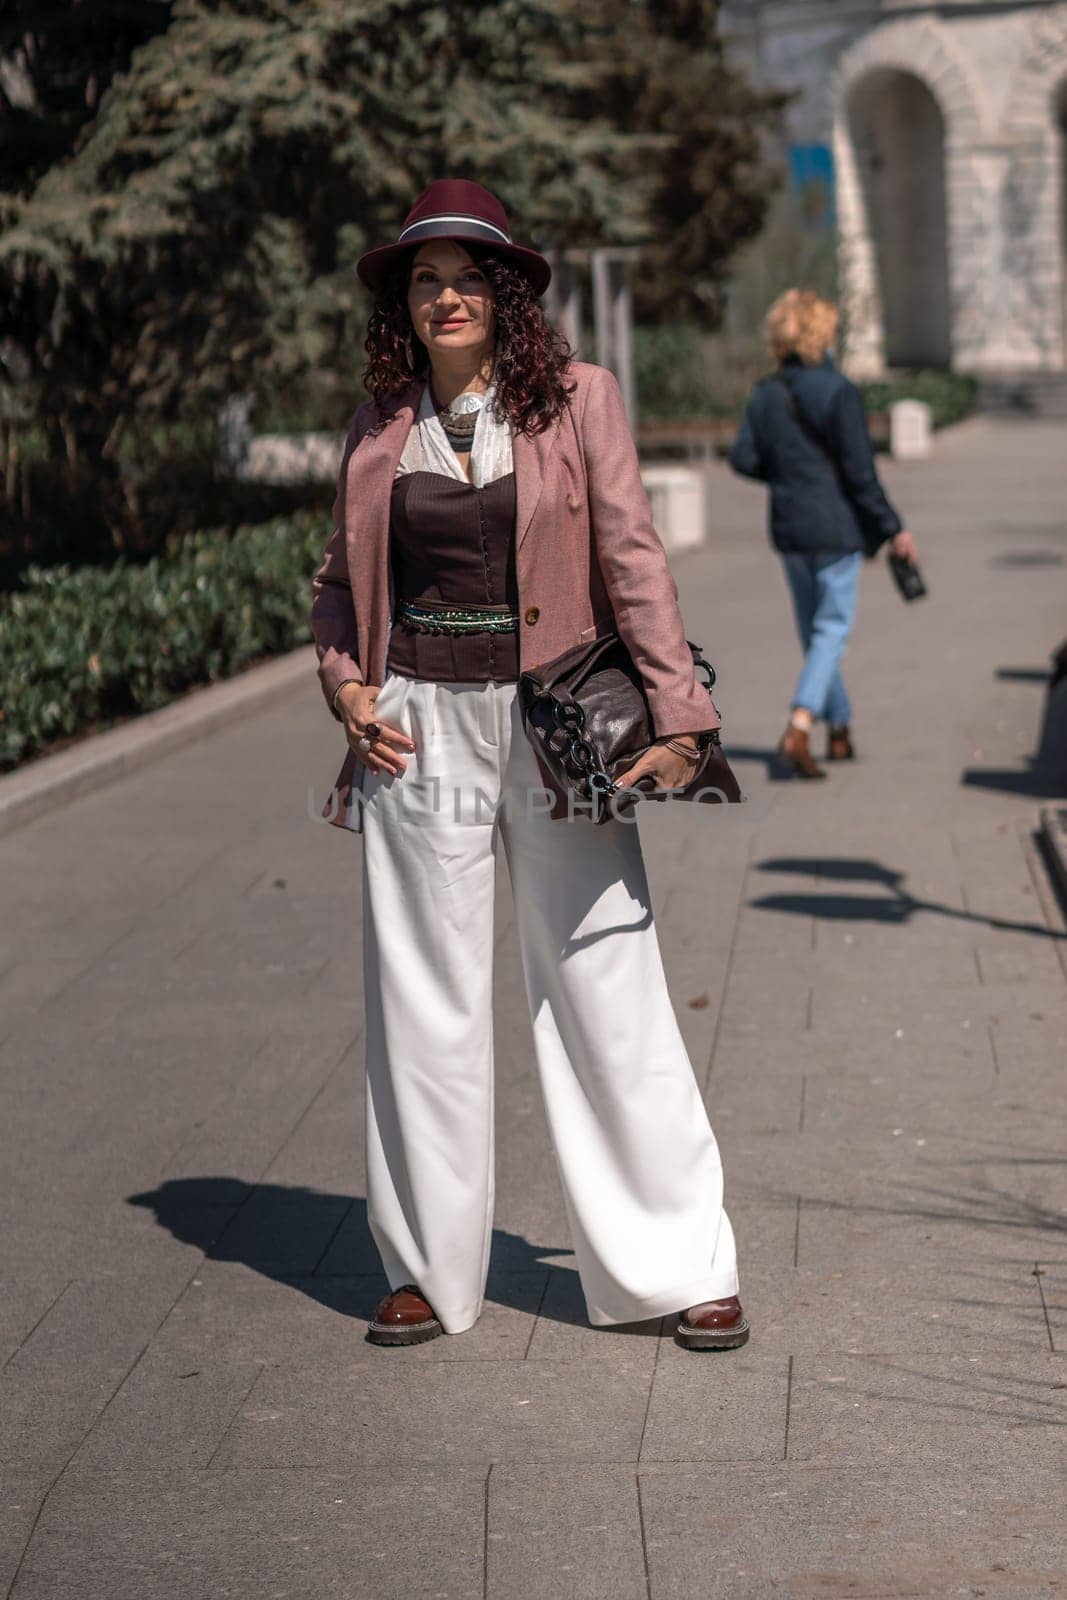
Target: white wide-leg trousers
point(638, 1162)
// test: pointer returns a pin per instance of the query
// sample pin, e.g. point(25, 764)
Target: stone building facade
point(945, 130)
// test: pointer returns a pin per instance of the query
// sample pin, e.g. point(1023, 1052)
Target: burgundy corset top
point(453, 542)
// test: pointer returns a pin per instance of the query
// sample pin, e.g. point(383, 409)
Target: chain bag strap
point(587, 715)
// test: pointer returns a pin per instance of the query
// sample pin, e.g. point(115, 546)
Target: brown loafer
point(713, 1325)
point(839, 745)
point(794, 751)
point(403, 1317)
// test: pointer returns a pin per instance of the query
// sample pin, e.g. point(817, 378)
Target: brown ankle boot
point(713, 1325)
point(795, 751)
point(839, 745)
point(403, 1317)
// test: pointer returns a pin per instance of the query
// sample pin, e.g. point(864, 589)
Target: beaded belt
point(437, 616)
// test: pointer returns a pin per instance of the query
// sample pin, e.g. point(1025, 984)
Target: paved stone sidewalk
point(871, 977)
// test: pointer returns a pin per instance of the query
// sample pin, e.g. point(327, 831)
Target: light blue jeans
point(824, 588)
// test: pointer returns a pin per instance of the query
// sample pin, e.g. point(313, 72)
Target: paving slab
point(765, 1230)
point(1017, 958)
point(562, 1332)
point(757, 1086)
point(1052, 1288)
point(172, 1410)
point(112, 1238)
point(234, 1312)
point(872, 1003)
point(186, 1534)
point(753, 1007)
point(447, 1412)
point(564, 1535)
point(24, 1302)
point(975, 1104)
point(933, 1305)
point(1028, 1044)
point(875, 1532)
point(980, 1229)
point(1002, 1412)
point(73, 1361)
point(325, 1147)
point(717, 1406)
point(282, 1229)
point(22, 1494)
point(963, 1171)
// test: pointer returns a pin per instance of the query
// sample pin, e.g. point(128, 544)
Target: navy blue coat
point(825, 493)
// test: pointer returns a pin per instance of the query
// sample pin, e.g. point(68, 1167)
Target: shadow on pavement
point(974, 1391)
point(1037, 675)
point(1027, 558)
point(1035, 785)
point(896, 906)
point(292, 1235)
point(774, 768)
point(978, 1204)
point(1045, 774)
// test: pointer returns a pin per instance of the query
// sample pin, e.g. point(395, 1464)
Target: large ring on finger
point(363, 744)
point(373, 731)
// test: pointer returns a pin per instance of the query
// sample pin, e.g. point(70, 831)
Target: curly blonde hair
point(801, 323)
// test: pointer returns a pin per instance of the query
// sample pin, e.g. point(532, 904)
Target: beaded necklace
point(459, 425)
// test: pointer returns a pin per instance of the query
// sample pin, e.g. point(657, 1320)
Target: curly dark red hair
point(531, 357)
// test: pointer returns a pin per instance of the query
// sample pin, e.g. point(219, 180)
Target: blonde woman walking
point(805, 434)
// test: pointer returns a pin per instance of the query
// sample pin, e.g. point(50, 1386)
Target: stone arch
point(916, 51)
point(897, 132)
point(924, 48)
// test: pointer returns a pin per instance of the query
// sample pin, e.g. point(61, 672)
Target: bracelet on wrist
point(691, 752)
point(344, 685)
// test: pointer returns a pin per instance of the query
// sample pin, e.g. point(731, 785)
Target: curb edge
point(42, 786)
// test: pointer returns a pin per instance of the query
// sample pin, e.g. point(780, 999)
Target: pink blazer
point(588, 559)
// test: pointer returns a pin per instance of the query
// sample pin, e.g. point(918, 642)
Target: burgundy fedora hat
point(456, 208)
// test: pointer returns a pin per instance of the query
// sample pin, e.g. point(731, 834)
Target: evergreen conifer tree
point(196, 236)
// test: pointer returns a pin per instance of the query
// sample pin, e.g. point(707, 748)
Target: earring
point(409, 353)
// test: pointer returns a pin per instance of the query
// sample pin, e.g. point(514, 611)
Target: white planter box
point(677, 498)
point(910, 430)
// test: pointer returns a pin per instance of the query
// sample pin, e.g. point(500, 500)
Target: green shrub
point(682, 373)
point(174, 484)
point(82, 647)
point(951, 396)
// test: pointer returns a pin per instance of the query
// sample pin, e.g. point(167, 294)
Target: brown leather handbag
point(587, 715)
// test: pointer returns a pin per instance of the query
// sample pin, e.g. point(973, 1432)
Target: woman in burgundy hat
point(490, 514)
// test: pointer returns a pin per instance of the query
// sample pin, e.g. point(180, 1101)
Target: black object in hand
point(907, 577)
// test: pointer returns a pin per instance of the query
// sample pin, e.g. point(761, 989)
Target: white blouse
point(428, 450)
